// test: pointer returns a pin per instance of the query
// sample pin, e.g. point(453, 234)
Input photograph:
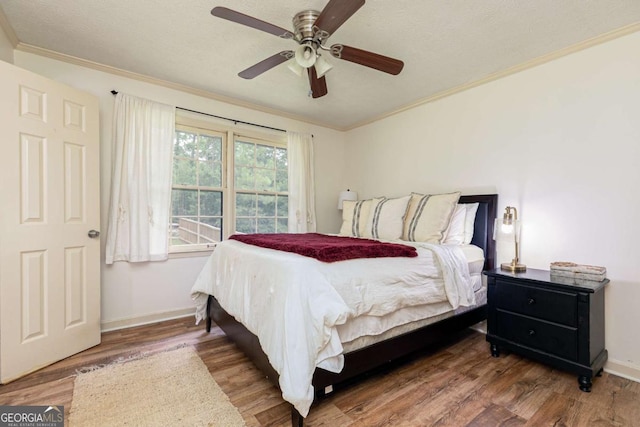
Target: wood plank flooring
point(457, 384)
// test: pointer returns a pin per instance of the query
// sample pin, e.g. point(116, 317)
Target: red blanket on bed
point(327, 248)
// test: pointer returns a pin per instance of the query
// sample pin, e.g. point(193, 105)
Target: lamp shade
point(506, 232)
point(322, 66)
point(346, 195)
point(293, 66)
point(305, 55)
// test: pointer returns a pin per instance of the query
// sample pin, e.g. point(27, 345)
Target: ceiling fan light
point(295, 68)
point(322, 66)
point(305, 55)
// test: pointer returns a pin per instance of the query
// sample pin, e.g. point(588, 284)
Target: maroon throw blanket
point(327, 248)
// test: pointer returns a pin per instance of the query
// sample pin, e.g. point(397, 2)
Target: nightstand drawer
point(555, 339)
point(554, 306)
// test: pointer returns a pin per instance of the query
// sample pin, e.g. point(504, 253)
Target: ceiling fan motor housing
point(303, 24)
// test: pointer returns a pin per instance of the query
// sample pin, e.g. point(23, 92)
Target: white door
point(49, 266)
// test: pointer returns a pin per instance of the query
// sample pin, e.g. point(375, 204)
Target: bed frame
point(374, 356)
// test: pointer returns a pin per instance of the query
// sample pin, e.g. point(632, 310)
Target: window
point(197, 188)
point(206, 206)
point(261, 177)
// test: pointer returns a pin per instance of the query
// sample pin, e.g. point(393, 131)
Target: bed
point(340, 361)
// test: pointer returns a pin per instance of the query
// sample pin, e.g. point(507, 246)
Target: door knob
point(93, 233)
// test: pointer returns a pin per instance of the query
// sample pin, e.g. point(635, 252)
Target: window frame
point(222, 189)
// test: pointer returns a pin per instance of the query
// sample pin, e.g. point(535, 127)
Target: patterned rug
point(170, 388)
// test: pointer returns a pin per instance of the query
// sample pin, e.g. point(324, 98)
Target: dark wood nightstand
point(555, 320)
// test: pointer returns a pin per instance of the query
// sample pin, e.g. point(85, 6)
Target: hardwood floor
point(458, 384)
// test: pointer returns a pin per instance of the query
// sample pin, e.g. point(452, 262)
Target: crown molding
point(8, 29)
point(603, 38)
point(24, 47)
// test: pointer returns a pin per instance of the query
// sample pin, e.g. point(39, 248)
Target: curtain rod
point(115, 92)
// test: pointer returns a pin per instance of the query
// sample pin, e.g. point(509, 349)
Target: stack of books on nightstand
point(570, 271)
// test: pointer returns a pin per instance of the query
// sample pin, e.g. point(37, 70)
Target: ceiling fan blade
point(368, 59)
point(249, 21)
point(335, 13)
point(266, 65)
point(318, 85)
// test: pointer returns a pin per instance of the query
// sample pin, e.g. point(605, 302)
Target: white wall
point(561, 142)
point(6, 48)
point(148, 291)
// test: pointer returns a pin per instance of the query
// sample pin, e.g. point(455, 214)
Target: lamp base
point(513, 268)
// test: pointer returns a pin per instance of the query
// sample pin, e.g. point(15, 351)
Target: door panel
point(49, 267)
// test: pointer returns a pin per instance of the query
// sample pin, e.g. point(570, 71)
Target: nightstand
point(557, 321)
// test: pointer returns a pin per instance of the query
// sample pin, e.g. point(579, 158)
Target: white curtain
point(143, 134)
point(302, 194)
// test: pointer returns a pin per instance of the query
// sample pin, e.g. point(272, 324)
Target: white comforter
point(294, 303)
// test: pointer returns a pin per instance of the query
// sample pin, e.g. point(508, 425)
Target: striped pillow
point(386, 218)
point(428, 217)
point(354, 217)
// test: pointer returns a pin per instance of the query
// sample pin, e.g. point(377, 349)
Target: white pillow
point(455, 232)
point(386, 218)
point(428, 216)
point(354, 217)
point(469, 222)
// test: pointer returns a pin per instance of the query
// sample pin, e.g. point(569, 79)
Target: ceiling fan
point(311, 31)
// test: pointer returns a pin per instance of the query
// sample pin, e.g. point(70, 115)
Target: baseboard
point(623, 369)
point(129, 322)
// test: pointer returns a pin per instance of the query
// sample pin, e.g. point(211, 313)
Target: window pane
point(281, 158)
point(210, 148)
point(283, 225)
point(244, 153)
point(265, 179)
point(216, 174)
point(210, 203)
point(282, 179)
point(266, 225)
point(184, 202)
point(265, 156)
point(246, 225)
point(184, 171)
point(245, 179)
point(184, 231)
point(210, 230)
point(185, 144)
point(245, 204)
point(283, 207)
point(266, 205)
point(214, 221)
point(205, 175)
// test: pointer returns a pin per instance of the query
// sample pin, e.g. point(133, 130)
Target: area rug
point(169, 388)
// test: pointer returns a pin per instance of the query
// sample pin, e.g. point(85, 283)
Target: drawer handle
point(531, 301)
point(532, 332)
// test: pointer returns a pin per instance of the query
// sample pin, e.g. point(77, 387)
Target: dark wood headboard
point(483, 227)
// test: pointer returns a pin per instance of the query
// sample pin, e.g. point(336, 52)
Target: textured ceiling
point(444, 43)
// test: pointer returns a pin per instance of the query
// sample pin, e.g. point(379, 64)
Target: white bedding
point(295, 304)
point(433, 313)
